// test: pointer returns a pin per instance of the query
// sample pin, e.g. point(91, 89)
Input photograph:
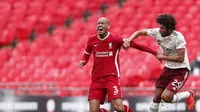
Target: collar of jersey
point(105, 37)
point(170, 36)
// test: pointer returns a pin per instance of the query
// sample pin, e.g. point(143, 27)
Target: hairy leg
point(117, 104)
point(119, 107)
point(94, 105)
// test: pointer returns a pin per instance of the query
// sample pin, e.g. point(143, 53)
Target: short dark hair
point(167, 20)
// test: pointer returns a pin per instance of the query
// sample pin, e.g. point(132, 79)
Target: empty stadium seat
point(50, 6)
point(35, 7)
point(43, 23)
point(7, 36)
point(82, 6)
point(24, 30)
point(5, 8)
point(61, 15)
point(94, 5)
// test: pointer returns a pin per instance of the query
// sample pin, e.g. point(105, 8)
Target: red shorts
point(101, 87)
point(172, 79)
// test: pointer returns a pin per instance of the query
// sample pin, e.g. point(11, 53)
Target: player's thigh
point(179, 79)
point(97, 94)
point(94, 105)
point(164, 78)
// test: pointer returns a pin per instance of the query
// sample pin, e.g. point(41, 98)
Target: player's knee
point(94, 110)
point(166, 98)
point(103, 110)
point(118, 107)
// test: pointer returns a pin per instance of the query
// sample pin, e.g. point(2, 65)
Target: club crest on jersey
point(110, 53)
point(110, 45)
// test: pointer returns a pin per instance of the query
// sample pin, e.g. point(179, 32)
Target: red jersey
point(106, 54)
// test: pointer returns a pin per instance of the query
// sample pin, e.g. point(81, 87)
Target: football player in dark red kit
point(176, 70)
point(106, 73)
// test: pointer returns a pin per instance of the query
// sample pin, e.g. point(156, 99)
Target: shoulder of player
point(92, 37)
point(153, 29)
point(157, 30)
point(179, 35)
point(115, 36)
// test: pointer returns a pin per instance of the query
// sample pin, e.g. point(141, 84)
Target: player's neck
point(170, 32)
point(103, 35)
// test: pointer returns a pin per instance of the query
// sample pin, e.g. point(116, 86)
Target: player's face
point(164, 31)
point(102, 26)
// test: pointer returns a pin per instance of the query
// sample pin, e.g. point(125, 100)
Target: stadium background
point(42, 42)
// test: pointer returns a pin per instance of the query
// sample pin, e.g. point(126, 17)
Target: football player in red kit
point(106, 73)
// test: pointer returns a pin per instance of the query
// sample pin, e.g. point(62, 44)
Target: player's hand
point(159, 56)
point(82, 63)
point(126, 44)
point(164, 53)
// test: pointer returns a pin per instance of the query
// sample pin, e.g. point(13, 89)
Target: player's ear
point(108, 26)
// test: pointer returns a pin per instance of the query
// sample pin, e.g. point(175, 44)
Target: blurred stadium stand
point(59, 29)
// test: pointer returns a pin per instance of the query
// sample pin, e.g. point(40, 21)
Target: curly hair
point(167, 20)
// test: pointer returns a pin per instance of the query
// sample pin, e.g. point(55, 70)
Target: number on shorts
point(115, 90)
point(176, 85)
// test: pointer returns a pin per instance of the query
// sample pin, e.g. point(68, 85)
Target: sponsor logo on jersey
point(104, 54)
point(95, 45)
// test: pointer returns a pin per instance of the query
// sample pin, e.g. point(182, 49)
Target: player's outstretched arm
point(143, 48)
point(138, 33)
point(135, 35)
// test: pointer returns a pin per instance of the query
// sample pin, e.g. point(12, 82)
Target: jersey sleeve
point(181, 43)
point(120, 39)
point(88, 50)
point(153, 32)
point(142, 48)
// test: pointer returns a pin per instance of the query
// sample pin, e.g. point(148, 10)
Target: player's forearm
point(85, 57)
point(173, 58)
point(137, 34)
